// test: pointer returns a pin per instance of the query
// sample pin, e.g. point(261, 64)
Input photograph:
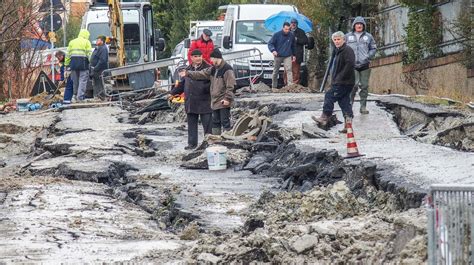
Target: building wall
point(442, 77)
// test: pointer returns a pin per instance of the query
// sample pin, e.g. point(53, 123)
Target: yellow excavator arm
point(116, 47)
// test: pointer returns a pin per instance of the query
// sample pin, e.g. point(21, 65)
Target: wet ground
point(82, 185)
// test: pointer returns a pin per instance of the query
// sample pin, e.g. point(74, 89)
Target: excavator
point(131, 36)
point(116, 41)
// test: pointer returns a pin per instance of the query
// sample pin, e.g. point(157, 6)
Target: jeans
point(340, 94)
point(79, 80)
point(276, 69)
point(193, 120)
point(362, 80)
point(68, 91)
point(221, 119)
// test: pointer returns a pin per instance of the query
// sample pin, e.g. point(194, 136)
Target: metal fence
point(119, 82)
point(451, 224)
point(247, 64)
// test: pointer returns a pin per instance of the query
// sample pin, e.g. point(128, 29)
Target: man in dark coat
point(223, 82)
point(343, 80)
point(282, 46)
point(99, 63)
point(301, 40)
point(197, 99)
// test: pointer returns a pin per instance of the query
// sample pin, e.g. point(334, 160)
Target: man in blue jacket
point(283, 47)
point(364, 48)
point(99, 63)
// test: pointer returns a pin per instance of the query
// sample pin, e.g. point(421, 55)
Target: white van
point(244, 29)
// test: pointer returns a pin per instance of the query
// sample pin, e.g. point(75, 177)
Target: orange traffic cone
point(352, 150)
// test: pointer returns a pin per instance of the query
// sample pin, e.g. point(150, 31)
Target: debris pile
point(293, 88)
point(325, 224)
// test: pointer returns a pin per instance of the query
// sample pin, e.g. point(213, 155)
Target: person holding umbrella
point(283, 47)
point(301, 40)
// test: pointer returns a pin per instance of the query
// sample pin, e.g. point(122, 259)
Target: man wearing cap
point(197, 100)
point(99, 63)
point(204, 44)
point(223, 82)
point(301, 40)
point(282, 46)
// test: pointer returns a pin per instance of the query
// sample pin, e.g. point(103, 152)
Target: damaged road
point(92, 185)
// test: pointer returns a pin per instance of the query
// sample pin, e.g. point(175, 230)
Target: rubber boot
point(322, 121)
point(363, 107)
point(216, 131)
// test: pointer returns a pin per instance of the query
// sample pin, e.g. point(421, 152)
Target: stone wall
point(442, 77)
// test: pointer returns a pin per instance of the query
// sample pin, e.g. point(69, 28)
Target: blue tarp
point(35, 44)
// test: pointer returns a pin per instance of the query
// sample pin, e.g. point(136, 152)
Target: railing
point(451, 224)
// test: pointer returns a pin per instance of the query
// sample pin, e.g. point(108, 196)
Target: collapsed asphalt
point(89, 178)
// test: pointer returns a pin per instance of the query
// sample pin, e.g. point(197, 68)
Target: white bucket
point(217, 157)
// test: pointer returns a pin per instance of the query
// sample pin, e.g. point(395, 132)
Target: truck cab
point(142, 42)
point(244, 29)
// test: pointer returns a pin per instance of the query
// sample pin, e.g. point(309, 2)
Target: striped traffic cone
point(352, 150)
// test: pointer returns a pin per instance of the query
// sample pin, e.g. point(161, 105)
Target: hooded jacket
point(79, 51)
point(197, 93)
point(364, 47)
point(222, 83)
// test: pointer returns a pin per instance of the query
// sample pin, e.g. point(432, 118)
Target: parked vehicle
point(244, 29)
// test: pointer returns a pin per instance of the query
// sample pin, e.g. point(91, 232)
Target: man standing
point(197, 100)
point(99, 63)
point(223, 82)
point(282, 45)
point(301, 40)
point(343, 80)
point(77, 61)
point(61, 56)
point(364, 48)
point(204, 44)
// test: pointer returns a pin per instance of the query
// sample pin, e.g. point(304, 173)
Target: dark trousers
point(193, 120)
point(221, 119)
point(98, 87)
point(340, 94)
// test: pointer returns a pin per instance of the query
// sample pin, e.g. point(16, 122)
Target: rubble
point(293, 88)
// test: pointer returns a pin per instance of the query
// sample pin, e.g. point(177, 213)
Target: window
point(252, 32)
point(97, 29)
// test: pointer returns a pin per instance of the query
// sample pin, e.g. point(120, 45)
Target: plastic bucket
point(217, 157)
point(22, 104)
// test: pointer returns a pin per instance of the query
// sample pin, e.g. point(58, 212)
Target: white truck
point(244, 29)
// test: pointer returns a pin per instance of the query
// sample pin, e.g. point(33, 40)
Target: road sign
point(46, 23)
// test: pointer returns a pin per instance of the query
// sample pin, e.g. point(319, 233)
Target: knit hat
point(216, 53)
point(196, 52)
point(294, 20)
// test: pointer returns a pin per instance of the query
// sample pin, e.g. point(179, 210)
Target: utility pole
point(64, 22)
point(51, 39)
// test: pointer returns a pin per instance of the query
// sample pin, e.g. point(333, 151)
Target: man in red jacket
point(204, 44)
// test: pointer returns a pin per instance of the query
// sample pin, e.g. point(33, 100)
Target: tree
point(17, 19)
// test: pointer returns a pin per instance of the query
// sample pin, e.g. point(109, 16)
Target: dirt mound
point(328, 224)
